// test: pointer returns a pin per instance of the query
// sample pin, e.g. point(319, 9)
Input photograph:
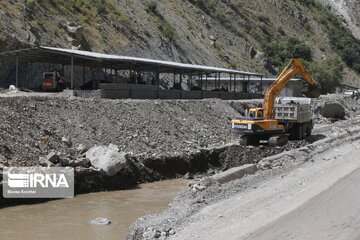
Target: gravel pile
point(34, 126)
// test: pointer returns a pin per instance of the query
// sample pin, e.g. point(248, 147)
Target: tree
point(291, 47)
point(328, 74)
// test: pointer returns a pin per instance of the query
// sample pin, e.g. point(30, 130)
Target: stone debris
point(67, 141)
point(53, 157)
point(100, 221)
point(82, 148)
point(152, 233)
point(198, 187)
point(188, 175)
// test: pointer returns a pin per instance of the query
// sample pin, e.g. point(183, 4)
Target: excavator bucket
point(312, 92)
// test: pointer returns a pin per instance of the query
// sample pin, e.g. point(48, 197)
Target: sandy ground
point(318, 200)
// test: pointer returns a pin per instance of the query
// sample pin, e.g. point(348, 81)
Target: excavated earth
point(163, 139)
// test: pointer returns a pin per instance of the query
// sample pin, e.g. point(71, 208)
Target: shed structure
point(82, 64)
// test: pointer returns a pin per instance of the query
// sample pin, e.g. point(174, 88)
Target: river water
point(68, 218)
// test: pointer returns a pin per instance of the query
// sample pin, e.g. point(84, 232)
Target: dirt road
point(334, 214)
point(318, 200)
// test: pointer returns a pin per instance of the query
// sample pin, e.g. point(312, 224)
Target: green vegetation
point(346, 45)
point(281, 52)
point(328, 73)
point(164, 26)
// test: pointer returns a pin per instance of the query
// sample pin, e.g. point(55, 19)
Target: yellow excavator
point(261, 124)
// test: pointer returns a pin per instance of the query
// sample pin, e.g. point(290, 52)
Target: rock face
point(75, 35)
point(107, 159)
point(348, 11)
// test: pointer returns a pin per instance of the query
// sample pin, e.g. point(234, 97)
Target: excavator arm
point(294, 67)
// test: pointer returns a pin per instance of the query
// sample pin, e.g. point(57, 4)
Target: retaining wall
point(123, 91)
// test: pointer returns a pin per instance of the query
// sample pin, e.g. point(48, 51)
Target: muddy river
point(68, 218)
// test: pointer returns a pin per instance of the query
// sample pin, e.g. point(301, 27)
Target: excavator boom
point(294, 67)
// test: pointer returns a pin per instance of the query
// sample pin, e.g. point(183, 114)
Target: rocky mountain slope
point(348, 11)
point(230, 33)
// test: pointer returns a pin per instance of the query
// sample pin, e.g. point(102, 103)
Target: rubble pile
point(330, 108)
point(34, 126)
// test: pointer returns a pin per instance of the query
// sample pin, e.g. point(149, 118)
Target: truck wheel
point(299, 132)
point(304, 130)
point(308, 129)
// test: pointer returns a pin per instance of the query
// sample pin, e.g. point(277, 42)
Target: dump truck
point(277, 120)
point(296, 115)
point(53, 81)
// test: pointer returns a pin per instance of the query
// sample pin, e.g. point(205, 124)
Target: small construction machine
point(52, 81)
point(276, 120)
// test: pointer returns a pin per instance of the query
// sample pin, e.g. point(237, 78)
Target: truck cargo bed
point(293, 110)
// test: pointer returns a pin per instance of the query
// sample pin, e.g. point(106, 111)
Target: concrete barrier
point(115, 93)
point(169, 94)
point(211, 95)
point(121, 91)
point(192, 95)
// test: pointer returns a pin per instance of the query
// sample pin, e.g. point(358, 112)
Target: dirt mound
point(33, 126)
point(334, 107)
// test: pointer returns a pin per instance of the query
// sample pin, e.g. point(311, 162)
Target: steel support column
point(30, 75)
point(235, 83)
point(72, 72)
point(206, 82)
point(83, 76)
point(157, 77)
point(17, 72)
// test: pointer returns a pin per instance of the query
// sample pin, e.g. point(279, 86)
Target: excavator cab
point(255, 113)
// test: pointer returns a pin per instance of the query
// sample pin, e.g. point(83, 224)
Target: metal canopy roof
point(92, 59)
point(247, 79)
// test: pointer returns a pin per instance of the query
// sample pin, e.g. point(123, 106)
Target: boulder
point(64, 161)
point(45, 163)
point(80, 162)
point(333, 110)
point(81, 148)
point(100, 221)
point(67, 141)
point(188, 175)
point(108, 159)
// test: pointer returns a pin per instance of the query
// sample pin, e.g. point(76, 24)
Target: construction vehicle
point(275, 121)
point(53, 81)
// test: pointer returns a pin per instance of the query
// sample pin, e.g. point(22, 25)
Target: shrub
point(151, 7)
point(328, 74)
point(290, 47)
point(166, 29)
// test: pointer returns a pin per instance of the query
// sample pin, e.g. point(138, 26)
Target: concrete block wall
point(121, 91)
